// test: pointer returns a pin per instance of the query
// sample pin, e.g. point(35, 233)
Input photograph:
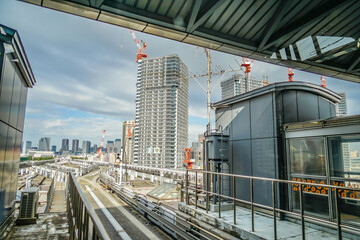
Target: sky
point(86, 72)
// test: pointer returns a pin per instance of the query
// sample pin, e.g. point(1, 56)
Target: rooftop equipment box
point(218, 146)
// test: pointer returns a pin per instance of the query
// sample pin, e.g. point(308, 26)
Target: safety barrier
point(194, 188)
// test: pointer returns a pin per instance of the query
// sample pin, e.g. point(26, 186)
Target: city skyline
point(81, 72)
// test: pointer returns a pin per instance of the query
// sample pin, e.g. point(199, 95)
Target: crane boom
point(141, 52)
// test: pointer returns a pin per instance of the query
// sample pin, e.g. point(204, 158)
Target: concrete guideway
point(132, 223)
point(110, 217)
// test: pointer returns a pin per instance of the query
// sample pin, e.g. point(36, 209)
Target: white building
point(161, 116)
point(128, 141)
point(44, 144)
point(237, 84)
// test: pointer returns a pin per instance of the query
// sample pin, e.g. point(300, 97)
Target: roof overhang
point(315, 36)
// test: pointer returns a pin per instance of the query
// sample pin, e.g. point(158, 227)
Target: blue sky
point(86, 73)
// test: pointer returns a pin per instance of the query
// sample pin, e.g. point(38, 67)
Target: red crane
point(291, 75)
point(247, 64)
point(102, 143)
point(141, 52)
point(188, 158)
point(323, 83)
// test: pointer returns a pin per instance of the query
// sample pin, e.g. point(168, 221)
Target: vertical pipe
point(234, 196)
point(219, 193)
point(302, 211)
point(274, 206)
point(338, 214)
point(182, 191)
point(252, 203)
point(196, 189)
point(187, 187)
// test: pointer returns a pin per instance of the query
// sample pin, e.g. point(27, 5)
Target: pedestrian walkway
point(59, 199)
point(264, 225)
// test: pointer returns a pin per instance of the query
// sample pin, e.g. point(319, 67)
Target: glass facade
point(327, 160)
point(13, 95)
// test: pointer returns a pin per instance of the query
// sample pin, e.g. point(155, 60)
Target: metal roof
point(12, 42)
point(277, 87)
point(316, 36)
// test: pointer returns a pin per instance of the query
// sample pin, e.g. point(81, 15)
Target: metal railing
point(196, 188)
point(83, 222)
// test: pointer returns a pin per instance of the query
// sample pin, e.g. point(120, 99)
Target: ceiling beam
point(274, 22)
point(199, 16)
point(315, 15)
point(355, 62)
point(336, 52)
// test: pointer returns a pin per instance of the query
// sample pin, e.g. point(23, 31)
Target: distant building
point(341, 107)
point(26, 147)
point(128, 141)
point(341, 110)
point(40, 154)
point(117, 146)
point(44, 144)
point(95, 148)
point(237, 85)
point(197, 151)
point(86, 147)
point(75, 145)
point(53, 148)
point(65, 145)
point(161, 115)
point(110, 146)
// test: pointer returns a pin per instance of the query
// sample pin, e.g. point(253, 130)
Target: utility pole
point(207, 51)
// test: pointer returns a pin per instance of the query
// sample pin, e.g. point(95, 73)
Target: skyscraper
point(237, 84)
point(65, 145)
point(95, 148)
point(341, 107)
point(75, 145)
point(161, 116)
point(110, 146)
point(86, 147)
point(27, 147)
point(128, 141)
point(117, 146)
point(341, 110)
point(44, 144)
point(53, 148)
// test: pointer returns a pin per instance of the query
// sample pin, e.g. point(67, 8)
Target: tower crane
point(141, 52)
point(290, 74)
point(323, 83)
point(102, 144)
point(247, 64)
point(188, 159)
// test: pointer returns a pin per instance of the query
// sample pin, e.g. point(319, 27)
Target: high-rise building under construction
point(161, 116)
point(237, 85)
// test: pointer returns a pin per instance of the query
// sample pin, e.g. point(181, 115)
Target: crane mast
point(247, 64)
point(102, 144)
point(290, 74)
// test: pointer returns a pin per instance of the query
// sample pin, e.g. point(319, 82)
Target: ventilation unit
point(28, 206)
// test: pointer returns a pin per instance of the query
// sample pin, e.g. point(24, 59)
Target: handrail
point(338, 224)
point(80, 213)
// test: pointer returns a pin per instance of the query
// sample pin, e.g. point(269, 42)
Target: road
point(134, 224)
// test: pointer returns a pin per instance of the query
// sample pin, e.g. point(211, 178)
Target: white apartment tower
point(237, 84)
point(161, 116)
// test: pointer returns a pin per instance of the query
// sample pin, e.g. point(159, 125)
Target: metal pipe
point(234, 197)
point(302, 212)
point(338, 214)
point(219, 193)
point(187, 187)
point(196, 191)
point(252, 204)
point(274, 208)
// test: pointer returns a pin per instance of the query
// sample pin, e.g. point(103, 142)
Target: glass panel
point(7, 82)
point(307, 156)
point(3, 137)
point(308, 108)
point(324, 108)
point(262, 117)
point(290, 109)
point(344, 154)
point(316, 199)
